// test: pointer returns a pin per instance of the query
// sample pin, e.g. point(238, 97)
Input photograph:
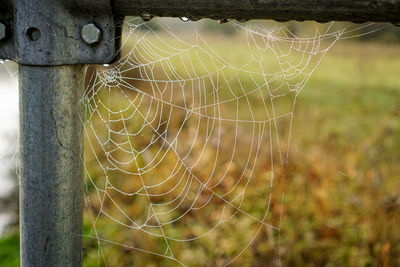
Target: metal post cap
point(91, 34)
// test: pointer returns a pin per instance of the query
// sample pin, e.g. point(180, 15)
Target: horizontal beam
point(281, 10)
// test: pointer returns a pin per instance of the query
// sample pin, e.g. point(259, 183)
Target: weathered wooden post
point(51, 40)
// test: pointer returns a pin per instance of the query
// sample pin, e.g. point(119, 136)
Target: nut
point(91, 34)
point(2, 31)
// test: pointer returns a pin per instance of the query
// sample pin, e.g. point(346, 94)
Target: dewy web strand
point(158, 155)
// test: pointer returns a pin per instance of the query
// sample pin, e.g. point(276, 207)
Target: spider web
point(9, 144)
point(182, 126)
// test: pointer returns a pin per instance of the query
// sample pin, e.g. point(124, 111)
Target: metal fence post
point(51, 40)
point(51, 167)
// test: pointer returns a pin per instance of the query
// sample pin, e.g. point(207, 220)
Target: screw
point(2, 31)
point(91, 34)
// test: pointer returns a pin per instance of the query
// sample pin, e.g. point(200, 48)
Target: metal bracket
point(60, 32)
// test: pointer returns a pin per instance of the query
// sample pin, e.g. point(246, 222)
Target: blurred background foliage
point(341, 182)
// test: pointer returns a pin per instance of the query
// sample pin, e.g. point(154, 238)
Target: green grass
point(345, 151)
point(9, 250)
point(341, 184)
point(341, 205)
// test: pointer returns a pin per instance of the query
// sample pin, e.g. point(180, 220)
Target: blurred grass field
point(341, 186)
point(341, 182)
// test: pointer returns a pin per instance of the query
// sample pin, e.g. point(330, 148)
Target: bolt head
point(2, 31)
point(91, 34)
